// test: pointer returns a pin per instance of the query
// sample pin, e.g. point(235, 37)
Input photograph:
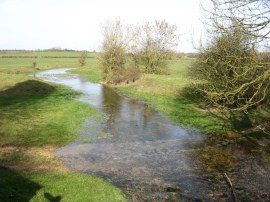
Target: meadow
point(174, 95)
point(36, 119)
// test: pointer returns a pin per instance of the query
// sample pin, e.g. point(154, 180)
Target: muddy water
point(149, 158)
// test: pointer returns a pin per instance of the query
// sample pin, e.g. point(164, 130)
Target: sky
point(77, 24)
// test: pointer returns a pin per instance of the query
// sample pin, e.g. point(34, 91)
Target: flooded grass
point(152, 167)
point(37, 118)
point(151, 159)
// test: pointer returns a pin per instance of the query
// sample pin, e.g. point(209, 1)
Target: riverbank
point(36, 119)
point(226, 148)
point(232, 145)
point(174, 96)
point(146, 155)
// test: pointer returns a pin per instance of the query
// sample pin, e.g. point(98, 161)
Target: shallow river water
point(142, 152)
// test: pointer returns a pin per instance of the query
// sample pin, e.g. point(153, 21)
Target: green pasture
point(39, 117)
point(36, 119)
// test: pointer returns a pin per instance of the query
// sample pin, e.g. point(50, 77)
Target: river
point(142, 152)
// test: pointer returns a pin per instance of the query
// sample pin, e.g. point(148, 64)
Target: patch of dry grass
point(31, 159)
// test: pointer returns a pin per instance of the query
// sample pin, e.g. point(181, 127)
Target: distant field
point(20, 63)
point(11, 61)
point(40, 54)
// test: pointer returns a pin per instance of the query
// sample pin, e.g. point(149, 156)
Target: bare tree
point(82, 59)
point(117, 43)
point(154, 45)
point(236, 76)
point(114, 49)
point(233, 76)
point(251, 15)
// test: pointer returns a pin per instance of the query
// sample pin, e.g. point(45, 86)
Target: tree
point(154, 45)
point(233, 77)
point(250, 15)
point(82, 59)
point(236, 76)
point(116, 39)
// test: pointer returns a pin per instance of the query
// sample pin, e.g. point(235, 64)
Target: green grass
point(170, 94)
point(91, 71)
point(181, 111)
point(173, 96)
point(25, 65)
point(42, 117)
point(39, 54)
point(55, 187)
point(37, 118)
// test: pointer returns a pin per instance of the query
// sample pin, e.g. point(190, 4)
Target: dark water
point(149, 158)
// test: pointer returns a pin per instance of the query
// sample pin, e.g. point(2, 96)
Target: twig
point(229, 182)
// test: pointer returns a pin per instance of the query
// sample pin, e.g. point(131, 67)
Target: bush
point(123, 75)
point(82, 59)
point(154, 46)
point(114, 48)
point(233, 78)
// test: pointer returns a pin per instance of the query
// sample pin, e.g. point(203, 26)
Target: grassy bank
point(169, 94)
point(174, 96)
point(36, 119)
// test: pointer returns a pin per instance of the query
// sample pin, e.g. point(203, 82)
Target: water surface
point(151, 159)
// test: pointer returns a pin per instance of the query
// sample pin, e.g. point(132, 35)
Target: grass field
point(36, 119)
point(175, 96)
point(172, 95)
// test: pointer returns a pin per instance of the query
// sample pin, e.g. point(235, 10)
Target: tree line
point(145, 47)
point(233, 65)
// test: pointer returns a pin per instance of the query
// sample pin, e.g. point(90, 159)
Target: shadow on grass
point(192, 95)
point(52, 198)
point(228, 120)
point(15, 187)
point(190, 108)
point(239, 121)
point(25, 92)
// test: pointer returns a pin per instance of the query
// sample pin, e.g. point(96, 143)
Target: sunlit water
point(148, 157)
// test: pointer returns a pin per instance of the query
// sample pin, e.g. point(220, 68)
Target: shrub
point(232, 75)
point(82, 59)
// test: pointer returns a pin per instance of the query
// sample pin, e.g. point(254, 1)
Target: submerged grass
point(37, 118)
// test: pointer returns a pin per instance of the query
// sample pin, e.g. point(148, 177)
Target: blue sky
point(76, 24)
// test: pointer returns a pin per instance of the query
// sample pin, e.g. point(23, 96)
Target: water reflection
point(125, 120)
point(150, 158)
